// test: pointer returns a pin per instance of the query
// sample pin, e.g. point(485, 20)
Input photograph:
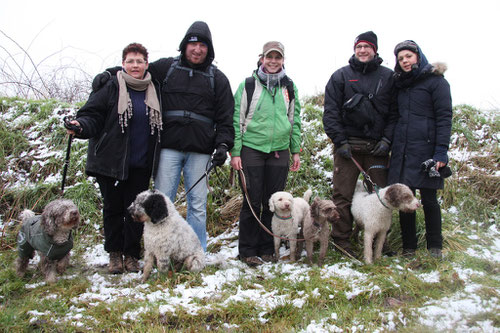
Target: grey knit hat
point(406, 45)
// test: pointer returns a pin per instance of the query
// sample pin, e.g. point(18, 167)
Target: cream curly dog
point(167, 236)
point(374, 214)
point(50, 235)
point(289, 215)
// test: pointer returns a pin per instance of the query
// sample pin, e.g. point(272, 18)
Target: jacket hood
point(439, 68)
point(201, 31)
point(419, 66)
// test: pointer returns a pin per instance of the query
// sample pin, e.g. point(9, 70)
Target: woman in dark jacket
point(421, 139)
point(122, 121)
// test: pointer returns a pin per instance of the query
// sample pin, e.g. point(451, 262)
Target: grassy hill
point(460, 292)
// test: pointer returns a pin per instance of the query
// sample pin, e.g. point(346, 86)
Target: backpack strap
point(249, 88)
point(210, 73)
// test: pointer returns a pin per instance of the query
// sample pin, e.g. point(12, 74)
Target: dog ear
point(155, 207)
point(48, 220)
point(271, 204)
point(315, 207)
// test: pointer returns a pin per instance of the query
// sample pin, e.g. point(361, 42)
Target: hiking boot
point(268, 258)
point(252, 261)
point(131, 264)
point(436, 252)
point(408, 252)
point(387, 251)
point(115, 263)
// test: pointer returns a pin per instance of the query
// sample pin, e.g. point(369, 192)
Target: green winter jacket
point(32, 237)
point(272, 122)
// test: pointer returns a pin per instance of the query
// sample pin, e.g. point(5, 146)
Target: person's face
point(135, 65)
point(273, 62)
point(406, 59)
point(364, 52)
point(196, 52)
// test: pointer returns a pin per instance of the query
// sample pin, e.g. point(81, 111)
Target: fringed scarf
point(125, 111)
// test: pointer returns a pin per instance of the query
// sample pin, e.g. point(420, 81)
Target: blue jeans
point(193, 166)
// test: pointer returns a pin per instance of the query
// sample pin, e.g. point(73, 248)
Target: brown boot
point(115, 263)
point(131, 264)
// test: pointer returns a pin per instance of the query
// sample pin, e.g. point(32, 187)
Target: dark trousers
point(432, 213)
point(121, 233)
point(265, 173)
point(345, 176)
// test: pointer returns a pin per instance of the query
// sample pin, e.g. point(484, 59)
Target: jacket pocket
point(98, 144)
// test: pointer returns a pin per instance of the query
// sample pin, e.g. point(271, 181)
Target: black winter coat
point(189, 89)
point(363, 78)
point(423, 129)
point(108, 151)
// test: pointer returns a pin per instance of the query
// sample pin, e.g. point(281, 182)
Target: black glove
point(220, 155)
point(382, 148)
point(345, 150)
point(72, 127)
point(100, 80)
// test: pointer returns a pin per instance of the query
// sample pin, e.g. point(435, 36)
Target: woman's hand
point(295, 162)
point(439, 165)
point(236, 163)
point(73, 124)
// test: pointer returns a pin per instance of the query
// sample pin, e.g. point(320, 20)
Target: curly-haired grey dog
point(167, 236)
point(373, 213)
point(50, 235)
point(317, 229)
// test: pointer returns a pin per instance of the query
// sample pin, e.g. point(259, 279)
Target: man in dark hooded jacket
point(363, 135)
point(197, 107)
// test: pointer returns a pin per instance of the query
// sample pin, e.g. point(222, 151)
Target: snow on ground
point(446, 314)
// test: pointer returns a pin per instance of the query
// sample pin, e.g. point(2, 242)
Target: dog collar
point(283, 217)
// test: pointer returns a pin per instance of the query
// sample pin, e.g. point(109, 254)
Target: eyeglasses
point(359, 47)
point(137, 61)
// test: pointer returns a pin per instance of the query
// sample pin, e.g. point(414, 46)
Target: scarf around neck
point(271, 79)
point(125, 110)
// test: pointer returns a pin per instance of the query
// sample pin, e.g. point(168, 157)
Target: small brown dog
point(323, 213)
point(50, 235)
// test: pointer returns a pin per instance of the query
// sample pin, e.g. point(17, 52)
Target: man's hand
point(220, 155)
point(382, 148)
point(345, 150)
point(100, 80)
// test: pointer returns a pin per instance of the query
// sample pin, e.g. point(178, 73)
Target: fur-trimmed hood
point(438, 68)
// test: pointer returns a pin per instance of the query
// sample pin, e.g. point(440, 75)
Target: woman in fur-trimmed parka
point(267, 132)
point(421, 140)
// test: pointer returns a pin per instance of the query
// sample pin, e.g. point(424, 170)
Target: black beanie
point(367, 37)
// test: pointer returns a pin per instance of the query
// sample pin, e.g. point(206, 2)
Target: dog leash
point(205, 174)
point(367, 178)
point(244, 187)
point(247, 198)
point(66, 163)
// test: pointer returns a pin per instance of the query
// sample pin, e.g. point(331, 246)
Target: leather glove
point(220, 155)
point(345, 150)
point(100, 80)
point(382, 148)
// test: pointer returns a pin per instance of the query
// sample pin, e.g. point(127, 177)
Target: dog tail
point(307, 195)
point(26, 214)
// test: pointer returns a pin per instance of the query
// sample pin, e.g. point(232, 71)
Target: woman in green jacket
point(267, 131)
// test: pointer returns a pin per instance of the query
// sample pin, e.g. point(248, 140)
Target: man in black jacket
point(197, 109)
point(364, 134)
